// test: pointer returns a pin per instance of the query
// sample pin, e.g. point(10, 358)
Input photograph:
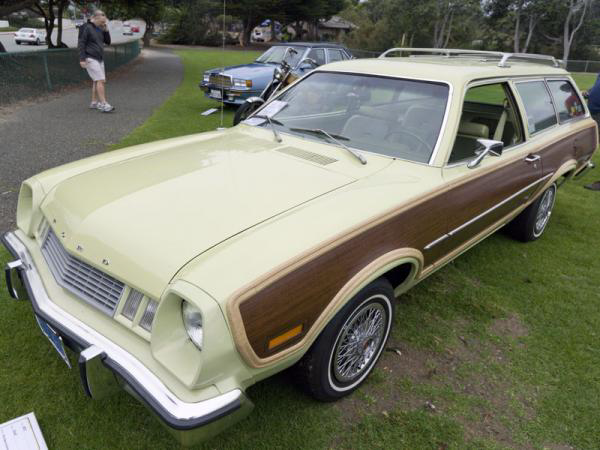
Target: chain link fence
point(29, 74)
point(583, 66)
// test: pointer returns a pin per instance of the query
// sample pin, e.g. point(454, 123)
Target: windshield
point(390, 116)
point(275, 55)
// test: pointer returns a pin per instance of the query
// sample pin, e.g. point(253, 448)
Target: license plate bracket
point(54, 338)
point(215, 93)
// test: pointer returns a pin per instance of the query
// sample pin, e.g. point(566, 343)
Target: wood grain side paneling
point(300, 296)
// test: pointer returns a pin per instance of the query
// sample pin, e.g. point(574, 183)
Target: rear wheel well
point(399, 274)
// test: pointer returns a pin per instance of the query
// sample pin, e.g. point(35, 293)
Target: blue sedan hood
point(249, 71)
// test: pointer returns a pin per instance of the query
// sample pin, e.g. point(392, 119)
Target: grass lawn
point(4, 29)
point(498, 349)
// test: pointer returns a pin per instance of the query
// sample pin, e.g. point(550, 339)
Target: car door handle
point(532, 158)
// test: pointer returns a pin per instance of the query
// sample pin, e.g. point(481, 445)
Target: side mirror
point(490, 147)
point(307, 64)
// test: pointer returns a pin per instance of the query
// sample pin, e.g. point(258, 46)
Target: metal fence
point(583, 66)
point(28, 74)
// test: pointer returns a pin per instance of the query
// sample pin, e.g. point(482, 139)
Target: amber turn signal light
point(276, 341)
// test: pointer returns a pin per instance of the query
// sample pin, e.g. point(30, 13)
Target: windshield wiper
point(271, 122)
point(335, 138)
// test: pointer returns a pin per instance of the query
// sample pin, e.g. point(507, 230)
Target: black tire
point(18, 42)
point(37, 42)
point(245, 110)
point(530, 224)
point(318, 373)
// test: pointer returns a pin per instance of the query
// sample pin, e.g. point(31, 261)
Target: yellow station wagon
point(188, 269)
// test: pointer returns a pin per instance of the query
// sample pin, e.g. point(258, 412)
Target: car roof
point(456, 70)
point(311, 44)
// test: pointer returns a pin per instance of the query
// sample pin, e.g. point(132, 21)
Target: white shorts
point(95, 69)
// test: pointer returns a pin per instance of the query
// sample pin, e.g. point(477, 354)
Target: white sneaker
point(105, 107)
point(94, 105)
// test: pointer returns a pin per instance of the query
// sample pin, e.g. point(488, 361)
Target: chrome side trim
point(486, 212)
point(175, 412)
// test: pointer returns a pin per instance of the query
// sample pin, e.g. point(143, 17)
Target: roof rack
point(502, 56)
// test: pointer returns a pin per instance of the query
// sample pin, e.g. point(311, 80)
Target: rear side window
point(335, 54)
point(567, 102)
point(318, 54)
point(538, 105)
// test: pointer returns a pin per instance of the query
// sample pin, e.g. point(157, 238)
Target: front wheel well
point(398, 275)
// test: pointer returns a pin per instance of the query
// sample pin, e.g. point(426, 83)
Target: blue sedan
point(234, 84)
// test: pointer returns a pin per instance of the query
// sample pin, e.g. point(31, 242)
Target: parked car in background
point(29, 36)
point(79, 22)
point(263, 32)
point(284, 241)
point(234, 84)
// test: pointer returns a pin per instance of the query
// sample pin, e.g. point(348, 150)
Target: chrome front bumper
point(205, 418)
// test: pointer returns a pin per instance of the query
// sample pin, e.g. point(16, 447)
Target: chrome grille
point(219, 80)
point(86, 282)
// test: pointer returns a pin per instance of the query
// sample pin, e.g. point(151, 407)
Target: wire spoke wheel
point(544, 211)
point(359, 341)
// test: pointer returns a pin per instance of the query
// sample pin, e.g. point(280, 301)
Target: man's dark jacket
point(91, 42)
point(594, 97)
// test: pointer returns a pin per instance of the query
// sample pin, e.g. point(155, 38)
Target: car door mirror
point(490, 147)
point(307, 64)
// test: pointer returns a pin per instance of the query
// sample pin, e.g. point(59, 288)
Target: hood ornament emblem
point(105, 262)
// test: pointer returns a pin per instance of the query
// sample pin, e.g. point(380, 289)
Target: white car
point(29, 36)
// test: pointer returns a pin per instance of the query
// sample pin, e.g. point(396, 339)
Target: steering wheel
point(416, 139)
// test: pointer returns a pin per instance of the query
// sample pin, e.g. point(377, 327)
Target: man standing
point(593, 96)
point(92, 37)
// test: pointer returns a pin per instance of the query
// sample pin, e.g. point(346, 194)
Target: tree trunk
point(273, 34)
point(148, 33)
point(59, 42)
point(568, 32)
point(532, 23)
point(449, 32)
point(48, 19)
point(517, 37)
point(246, 33)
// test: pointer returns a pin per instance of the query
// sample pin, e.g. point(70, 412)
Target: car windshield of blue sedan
point(399, 118)
point(275, 55)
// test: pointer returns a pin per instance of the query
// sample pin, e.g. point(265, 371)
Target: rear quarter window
point(539, 109)
point(567, 102)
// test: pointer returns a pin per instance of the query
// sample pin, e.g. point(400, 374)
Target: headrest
point(474, 129)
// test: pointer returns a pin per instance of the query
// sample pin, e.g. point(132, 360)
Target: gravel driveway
point(43, 134)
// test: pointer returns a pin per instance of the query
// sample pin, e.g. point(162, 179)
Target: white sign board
point(22, 433)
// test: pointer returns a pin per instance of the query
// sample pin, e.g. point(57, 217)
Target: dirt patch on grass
point(512, 327)
point(465, 382)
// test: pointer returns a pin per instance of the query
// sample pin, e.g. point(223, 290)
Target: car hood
point(248, 71)
point(142, 219)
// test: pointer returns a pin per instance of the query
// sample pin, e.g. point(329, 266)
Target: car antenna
point(221, 127)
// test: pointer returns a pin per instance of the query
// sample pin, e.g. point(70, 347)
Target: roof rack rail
point(504, 57)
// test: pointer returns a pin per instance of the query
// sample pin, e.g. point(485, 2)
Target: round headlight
point(192, 320)
point(206, 77)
